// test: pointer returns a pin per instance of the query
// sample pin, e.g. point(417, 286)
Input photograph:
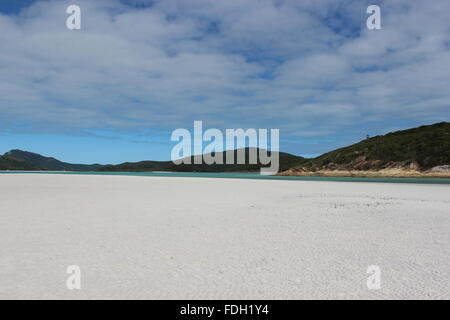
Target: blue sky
point(137, 70)
point(14, 7)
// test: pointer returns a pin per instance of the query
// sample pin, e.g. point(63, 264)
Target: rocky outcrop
point(360, 164)
point(444, 168)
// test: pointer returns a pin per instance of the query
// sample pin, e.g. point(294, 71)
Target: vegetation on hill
point(286, 161)
point(419, 148)
point(141, 166)
point(48, 163)
point(11, 163)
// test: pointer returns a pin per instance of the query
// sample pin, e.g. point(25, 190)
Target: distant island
point(417, 152)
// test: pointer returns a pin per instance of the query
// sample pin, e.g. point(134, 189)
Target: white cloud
point(307, 67)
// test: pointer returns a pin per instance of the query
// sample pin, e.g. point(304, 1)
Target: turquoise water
point(234, 175)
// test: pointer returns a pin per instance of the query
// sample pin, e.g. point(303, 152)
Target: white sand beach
point(200, 238)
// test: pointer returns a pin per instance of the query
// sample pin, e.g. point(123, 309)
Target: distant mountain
point(48, 163)
point(141, 166)
point(24, 160)
point(419, 148)
point(10, 163)
point(286, 161)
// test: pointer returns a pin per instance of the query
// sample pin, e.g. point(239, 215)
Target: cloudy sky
point(116, 89)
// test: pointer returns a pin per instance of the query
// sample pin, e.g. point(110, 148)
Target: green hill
point(11, 163)
point(419, 148)
point(48, 163)
point(286, 161)
point(141, 166)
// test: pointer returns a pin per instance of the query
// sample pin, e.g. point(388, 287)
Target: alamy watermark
point(374, 20)
point(374, 280)
point(73, 22)
point(73, 282)
point(213, 153)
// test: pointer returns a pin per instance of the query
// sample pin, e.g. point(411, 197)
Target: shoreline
point(386, 173)
point(330, 176)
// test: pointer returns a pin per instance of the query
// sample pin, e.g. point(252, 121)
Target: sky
point(116, 89)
